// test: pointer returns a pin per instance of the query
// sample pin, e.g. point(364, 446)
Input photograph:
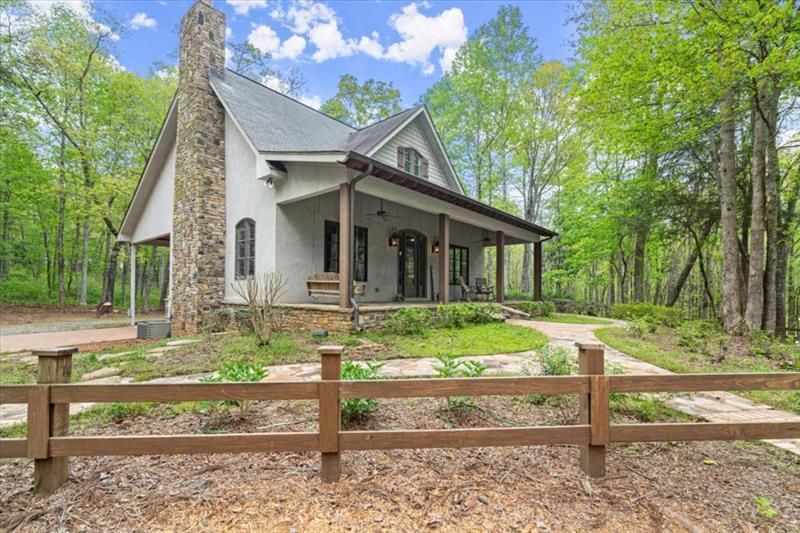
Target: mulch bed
point(669, 487)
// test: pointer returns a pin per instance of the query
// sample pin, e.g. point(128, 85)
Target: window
point(412, 161)
point(331, 262)
point(459, 264)
point(245, 248)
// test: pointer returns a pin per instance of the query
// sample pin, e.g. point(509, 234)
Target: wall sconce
point(435, 247)
point(394, 240)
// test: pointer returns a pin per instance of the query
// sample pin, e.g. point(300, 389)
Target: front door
point(412, 259)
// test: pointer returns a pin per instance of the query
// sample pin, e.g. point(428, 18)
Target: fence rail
point(48, 442)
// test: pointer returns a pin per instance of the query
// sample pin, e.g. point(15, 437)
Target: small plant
point(764, 507)
point(215, 321)
point(452, 367)
point(552, 361)
point(760, 344)
point(667, 316)
point(351, 371)
point(239, 371)
point(638, 327)
point(460, 315)
point(409, 321)
point(241, 320)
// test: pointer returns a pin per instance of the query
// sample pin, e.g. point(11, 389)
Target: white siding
point(412, 136)
point(156, 218)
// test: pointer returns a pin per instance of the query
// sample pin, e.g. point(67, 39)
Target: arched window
point(245, 248)
point(412, 161)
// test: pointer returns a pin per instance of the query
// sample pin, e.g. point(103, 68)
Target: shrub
point(580, 307)
point(668, 316)
point(452, 367)
point(351, 371)
point(537, 309)
point(239, 371)
point(216, 321)
point(460, 315)
point(695, 334)
point(262, 295)
point(639, 326)
point(409, 321)
point(241, 320)
point(553, 361)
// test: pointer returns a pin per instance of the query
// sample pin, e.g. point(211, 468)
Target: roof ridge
point(288, 98)
point(406, 110)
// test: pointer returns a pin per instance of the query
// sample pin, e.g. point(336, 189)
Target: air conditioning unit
point(153, 329)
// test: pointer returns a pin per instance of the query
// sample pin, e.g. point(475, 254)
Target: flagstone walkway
point(711, 406)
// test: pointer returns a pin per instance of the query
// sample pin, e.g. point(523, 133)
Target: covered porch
point(408, 241)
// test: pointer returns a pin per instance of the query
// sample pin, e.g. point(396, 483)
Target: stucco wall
point(247, 197)
point(156, 218)
point(301, 238)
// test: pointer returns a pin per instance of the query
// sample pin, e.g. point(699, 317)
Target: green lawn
point(662, 349)
point(566, 318)
point(291, 347)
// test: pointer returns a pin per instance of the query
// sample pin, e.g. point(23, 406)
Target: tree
point(362, 104)
point(249, 61)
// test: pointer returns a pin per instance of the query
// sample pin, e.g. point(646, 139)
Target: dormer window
point(412, 161)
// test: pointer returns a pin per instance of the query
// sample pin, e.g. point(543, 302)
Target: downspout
point(352, 231)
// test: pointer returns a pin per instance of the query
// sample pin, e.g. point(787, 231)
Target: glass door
point(411, 264)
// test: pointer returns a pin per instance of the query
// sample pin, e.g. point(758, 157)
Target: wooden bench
point(323, 284)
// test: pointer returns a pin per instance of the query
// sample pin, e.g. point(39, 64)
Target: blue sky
point(407, 43)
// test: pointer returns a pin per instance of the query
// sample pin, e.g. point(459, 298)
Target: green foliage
point(642, 325)
point(241, 319)
point(667, 316)
point(353, 371)
point(537, 309)
point(452, 367)
point(238, 371)
point(552, 361)
point(216, 321)
point(764, 507)
point(460, 315)
point(409, 321)
point(362, 104)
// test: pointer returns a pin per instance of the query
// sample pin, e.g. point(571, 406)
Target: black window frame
point(331, 250)
point(245, 248)
point(458, 256)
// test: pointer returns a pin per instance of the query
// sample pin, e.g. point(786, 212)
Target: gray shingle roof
point(274, 122)
point(363, 140)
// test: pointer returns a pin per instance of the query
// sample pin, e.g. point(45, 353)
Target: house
point(243, 180)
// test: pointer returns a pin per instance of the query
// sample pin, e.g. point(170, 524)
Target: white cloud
point(142, 20)
point(371, 46)
point(303, 15)
point(330, 42)
point(311, 101)
point(422, 34)
point(267, 40)
point(243, 7)
point(228, 32)
point(275, 83)
point(81, 8)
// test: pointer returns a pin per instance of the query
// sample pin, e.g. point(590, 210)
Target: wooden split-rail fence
point(49, 444)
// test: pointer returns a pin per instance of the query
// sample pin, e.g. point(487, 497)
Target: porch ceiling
point(403, 179)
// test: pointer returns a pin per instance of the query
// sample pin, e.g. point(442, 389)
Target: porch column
point(345, 248)
point(133, 285)
point(501, 267)
point(537, 271)
point(168, 307)
point(444, 254)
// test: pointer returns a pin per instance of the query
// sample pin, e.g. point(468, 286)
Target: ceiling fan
point(381, 213)
point(486, 241)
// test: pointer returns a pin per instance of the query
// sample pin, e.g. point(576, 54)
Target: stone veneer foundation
point(198, 236)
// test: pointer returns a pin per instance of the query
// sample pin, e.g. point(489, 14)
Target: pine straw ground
point(649, 487)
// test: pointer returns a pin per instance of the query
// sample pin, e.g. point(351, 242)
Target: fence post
point(594, 408)
point(49, 473)
point(330, 414)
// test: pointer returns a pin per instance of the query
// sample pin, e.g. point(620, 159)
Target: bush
point(216, 321)
point(553, 361)
point(239, 371)
point(409, 321)
point(667, 316)
point(639, 326)
point(580, 307)
point(694, 334)
point(460, 315)
point(452, 367)
point(537, 309)
point(241, 320)
point(359, 407)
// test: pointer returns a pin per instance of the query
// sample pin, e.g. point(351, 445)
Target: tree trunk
point(84, 264)
point(638, 267)
point(782, 267)
point(754, 312)
point(773, 205)
point(62, 206)
point(111, 273)
point(731, 288)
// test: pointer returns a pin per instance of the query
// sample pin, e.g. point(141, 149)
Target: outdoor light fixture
point(394, 240)
point(435, 247)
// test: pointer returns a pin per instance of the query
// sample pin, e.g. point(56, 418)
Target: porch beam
point(345, 246)
point(501, 267)
point(537, 271)
point(444, 254)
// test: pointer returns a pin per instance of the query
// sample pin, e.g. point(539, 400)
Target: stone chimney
point(198, 225)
